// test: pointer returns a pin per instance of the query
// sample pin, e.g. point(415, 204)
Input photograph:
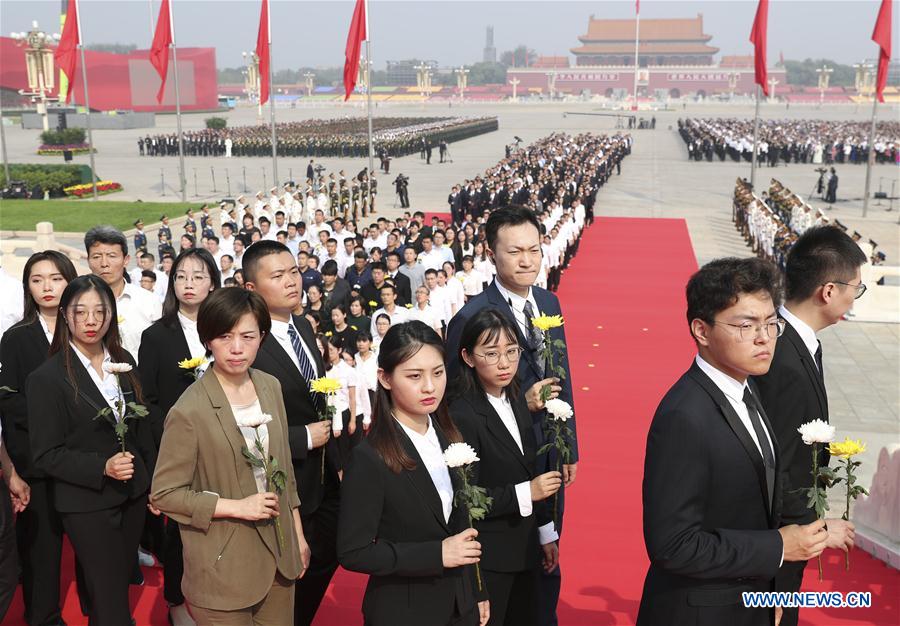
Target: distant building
point(551, 62)
point(662, 42)
point(490, 52)
point(404, 72)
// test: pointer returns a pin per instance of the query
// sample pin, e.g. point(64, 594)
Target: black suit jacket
point(22, 350)
point(708, 527)
point(793, 393)
point(529, 372)
point(340, 294)
point(72, 447)
point(392, 530)
point(302, 409)
point(162, 381)
point(404, 288)
point(509, 541)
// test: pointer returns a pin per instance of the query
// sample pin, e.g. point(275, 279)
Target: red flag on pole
point(355, 38)
point(65, 54)
point(262, 52)
point(758, 39)
point(882, 36)
point(637, 6)
point(159, 49)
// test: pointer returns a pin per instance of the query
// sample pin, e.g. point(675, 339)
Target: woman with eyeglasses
point(99, 491)
point(517, 533)
point(169, 341)
point(23, 349)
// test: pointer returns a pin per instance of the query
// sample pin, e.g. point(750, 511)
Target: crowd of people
point(339, 137)
point(298, 296)
point(789, 141)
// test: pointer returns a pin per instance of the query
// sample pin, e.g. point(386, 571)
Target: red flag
point(758, 38)
point(882, 36)
point(262, 52)
point(159, 49)
point(637, 6)
point(65, 54)
point(355, 38)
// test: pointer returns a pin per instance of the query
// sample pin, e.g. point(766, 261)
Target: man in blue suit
point(514, 246)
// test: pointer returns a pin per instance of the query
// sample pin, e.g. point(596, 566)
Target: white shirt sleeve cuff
point(309, 444)
point(782, 559)
point(547, 534)
point(523, 495)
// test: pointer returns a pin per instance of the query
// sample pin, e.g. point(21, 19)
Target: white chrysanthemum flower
point(254, 421)
point(459, 454)
point(816, 431)
point(117, 368)
point(559, 409)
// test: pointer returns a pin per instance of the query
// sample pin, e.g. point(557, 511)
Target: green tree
point(487, 73)
point(804, 73)
point(522, 56)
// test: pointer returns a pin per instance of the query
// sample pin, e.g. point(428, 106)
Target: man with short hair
point(310, 275)
point(107, 251)
point(360, 273)
point(400, 280)
point(334, 289)
point(430, 258)
point(160, 282)
point(395, 312)
point(712, 486)
point(823, 279)
point(411, 267)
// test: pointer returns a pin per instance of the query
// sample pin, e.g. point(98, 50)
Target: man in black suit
point(711, 489)
point(335, 289)
point(290, 354)
point(401, 281)
point(455, 202)
point(822, 278)
point(514, 245)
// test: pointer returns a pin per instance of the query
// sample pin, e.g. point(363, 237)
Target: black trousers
point(320, 529)
point(9, 563)
point(514, 597)
point(549, 582)
point(346, 442)
point(39, 535)
point(789, 578)
point(173, 564)
point(106, 544)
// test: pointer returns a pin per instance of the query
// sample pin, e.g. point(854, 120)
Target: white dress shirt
point(137, 309)
point(429, 448)
point(107, 384)
point(427, 316)
point(280, 333)
point(807, 334)
point(547, 533)
point(400, 315)
point(195, 347)
point(517, 304)
point(249, 434)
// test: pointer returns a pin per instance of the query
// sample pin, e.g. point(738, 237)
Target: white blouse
point(249, 434)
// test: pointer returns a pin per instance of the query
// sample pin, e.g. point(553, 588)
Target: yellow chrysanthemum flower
point(328, 333)
point(373, 303)
point(409, 306)
point(847, 448)
point(190, 364)
point(325, 385)
point(546, 322)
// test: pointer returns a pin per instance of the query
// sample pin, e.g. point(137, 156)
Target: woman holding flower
point(399, 520)
point(171, 357)
point(518, 531)
point(99, 474)
point(344, 401)
point(225, 476)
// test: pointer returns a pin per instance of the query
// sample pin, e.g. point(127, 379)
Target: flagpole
point(150, 5)
point(755, 142)
point(871, 158)
point(637, 38)
point(369, 103)
point(87, 103)
point(181, 179)
point(271, 97)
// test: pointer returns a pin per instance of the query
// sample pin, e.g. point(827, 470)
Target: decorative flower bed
point(76, 148)
point(103, 187)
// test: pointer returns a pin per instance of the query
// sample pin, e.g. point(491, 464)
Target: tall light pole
point(421, 69)
point(310, 85)
point(772, 82)
point(732, 84)
point(39, 64)
point(462, 79)
point(251, 81)
point(824, 73)
point(515, 83)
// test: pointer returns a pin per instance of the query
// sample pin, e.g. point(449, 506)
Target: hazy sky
point(453, 33)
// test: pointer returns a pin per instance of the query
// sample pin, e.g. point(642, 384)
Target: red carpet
point(623, 298)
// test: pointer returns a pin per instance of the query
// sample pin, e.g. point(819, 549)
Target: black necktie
point(818, 357)
point(759, 429)
point(535, 336)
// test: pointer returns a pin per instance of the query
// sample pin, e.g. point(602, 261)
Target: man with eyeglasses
point(822, 277)
point(712, 488)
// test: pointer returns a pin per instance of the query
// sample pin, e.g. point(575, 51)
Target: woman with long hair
point(344, 427)
point(314, 301)
point(357, 316)
point(99, 476)
point(240, 523)
point(517, 532)
point(23, 349)
point(399, 522)
point(166, 344)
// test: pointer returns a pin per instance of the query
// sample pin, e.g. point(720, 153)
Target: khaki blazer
point(229, 564)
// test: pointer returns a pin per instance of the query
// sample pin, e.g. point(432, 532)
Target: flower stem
point(556, 495)
point(815, 486)
point(846, 515)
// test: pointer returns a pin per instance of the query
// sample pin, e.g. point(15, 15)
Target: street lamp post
point(772, 82)
point(39, 63)
point(462, 79)
point(732, 84)
point(515, 83)
point(310, 85)
point(551, 84)
point(824, 73)
point(421, 69)
point(251, 81)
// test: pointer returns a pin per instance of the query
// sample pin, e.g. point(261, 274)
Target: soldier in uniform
point(140, 239)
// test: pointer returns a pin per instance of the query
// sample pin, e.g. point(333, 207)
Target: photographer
point(401, 184)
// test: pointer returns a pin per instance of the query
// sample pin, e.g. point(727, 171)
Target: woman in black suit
point(494, 419)
point(99, 491)
point(398, 521)
point(23, 349)
point(172, 339)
